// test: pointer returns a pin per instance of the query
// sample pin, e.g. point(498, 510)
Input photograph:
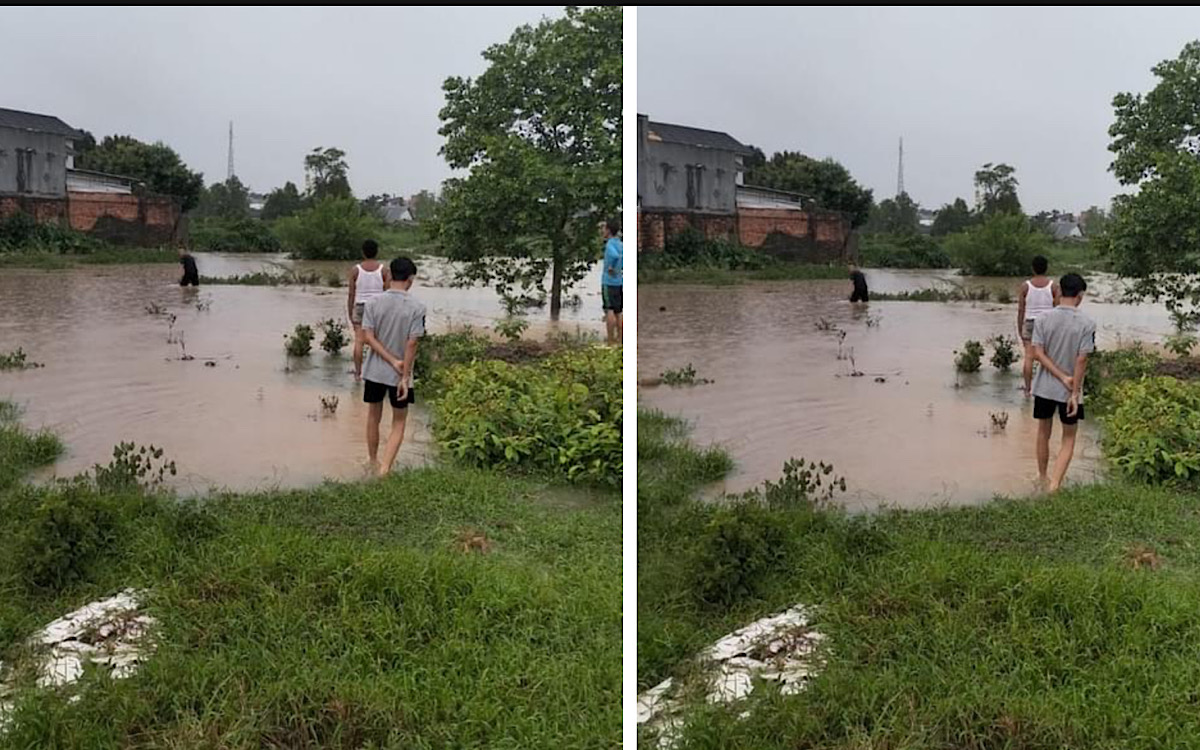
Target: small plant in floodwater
point(299, 344)
point(970, 358)
point(1180, 343)
point(873, 321)
point(1004, 297)
point(329, 404)
point(841, 336)
point(203, 305)
point(511, 328)
point(999, 421)
point(155, 309)
point(171, 328)
point(133, 467)
point(17, 360)
point(333, 280)
point(335, 338)
point(803, 483)
point(682, 376)
point(824, 325)
point(1004, 352)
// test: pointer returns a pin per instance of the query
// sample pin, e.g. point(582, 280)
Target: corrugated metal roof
point(18, 120)
point(689, 136)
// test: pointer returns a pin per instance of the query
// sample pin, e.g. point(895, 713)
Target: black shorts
point(613, 298)
point(860, 295)
point(373, 393)
point(1044, 408)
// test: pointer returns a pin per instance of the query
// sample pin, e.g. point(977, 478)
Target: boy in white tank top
point(368, 279)
point(1038, 295)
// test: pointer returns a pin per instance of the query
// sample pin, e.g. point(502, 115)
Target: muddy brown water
point(253, 420)
point(921, 437)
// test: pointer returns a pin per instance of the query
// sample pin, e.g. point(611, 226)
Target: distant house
point(395, 212)
point(38, 178)
point(682, 168)
point(257, 201)
point(1066, 230)
point(35, 153)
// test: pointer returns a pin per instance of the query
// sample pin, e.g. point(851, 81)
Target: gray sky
point(963, 86)
point(367, 80)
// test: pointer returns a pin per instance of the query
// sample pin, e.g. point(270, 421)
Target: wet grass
point(438, 608)
point(958, 294)
point(107, 256)
point(778, 271)
point(1064, 622)
point(273, 278)
point(22, 450)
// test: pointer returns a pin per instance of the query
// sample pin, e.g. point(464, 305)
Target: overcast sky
point(367, 80)
point(963, 86)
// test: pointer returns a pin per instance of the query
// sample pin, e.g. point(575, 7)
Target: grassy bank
point(107, 256)
point(1064, 622)
point(444, 607)
point(778, 271)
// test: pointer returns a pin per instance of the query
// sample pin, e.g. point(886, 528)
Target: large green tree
point(539, 133)
point(952, 218)
point(1153, 235)
point(155, 164)
point(897, 215)
point(283, 202)
point(996, 190)
point(225, 200)
point(327, 174)
point(824, 180)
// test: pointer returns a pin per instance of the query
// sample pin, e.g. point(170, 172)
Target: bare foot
point(358, 377)
point(384, 471)
point(1052, 488)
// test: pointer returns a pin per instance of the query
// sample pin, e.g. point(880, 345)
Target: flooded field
point(908, 432)
point(253, 419)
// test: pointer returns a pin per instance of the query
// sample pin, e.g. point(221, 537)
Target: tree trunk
point(556, 275)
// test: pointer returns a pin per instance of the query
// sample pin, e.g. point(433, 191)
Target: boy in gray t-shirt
point(1062, 340)
point(392, 322)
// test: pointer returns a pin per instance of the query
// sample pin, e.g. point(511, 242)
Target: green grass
point(22, 450)
point(1019, 624)
point(403, 239)
point(107, 256)
point(959, 294)
point(721, 277)
point(348, 615)
point(274, 278)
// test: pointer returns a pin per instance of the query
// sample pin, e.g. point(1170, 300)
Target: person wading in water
point(368, 279)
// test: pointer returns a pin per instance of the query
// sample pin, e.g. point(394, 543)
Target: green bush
point(902, 251)
point(1004, 352)
point(335, 337)
point(299, 344)
point(1004, 245)
point(1108, 368)
point(333, 229)
point(70, 528)
point(970, 358)
point(511, 328)
point(560, 416)
point(691, 249)
point(216, 234)
point(21, 233)
point(1152, 433)
point(740, 548)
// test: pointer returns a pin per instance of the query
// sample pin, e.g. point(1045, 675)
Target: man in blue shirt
point(611, 286)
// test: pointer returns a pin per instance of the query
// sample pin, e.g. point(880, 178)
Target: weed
point(334, 337)
point(329, 404)
point(970, 358)
point(511, 328)
point(1004, 352)
point(683, 376)
point(17, 360)
point(299, 344)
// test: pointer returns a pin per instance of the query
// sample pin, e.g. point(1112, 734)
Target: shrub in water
point(133, 467)
point(511, 328)
point(970, 358)
point(561, 415)
point(335, 338)
point(299, 344)
point(1004, 352)
point(1152, 434)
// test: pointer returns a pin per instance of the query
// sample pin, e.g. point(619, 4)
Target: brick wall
point(42, 209)
point(125, 219)
point(810, 236)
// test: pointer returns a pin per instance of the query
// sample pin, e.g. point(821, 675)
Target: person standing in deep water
point(860, 293)
point(191, 275)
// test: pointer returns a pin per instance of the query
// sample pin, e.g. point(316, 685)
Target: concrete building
point(682, 168)
point(38, 178)
point(35, 153)
point(692, 178)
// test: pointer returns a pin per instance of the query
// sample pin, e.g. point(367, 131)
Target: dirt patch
point(520, 352)
point(1185, 368)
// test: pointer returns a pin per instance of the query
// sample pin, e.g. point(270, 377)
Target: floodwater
point(923, 436)
point(252, 421)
